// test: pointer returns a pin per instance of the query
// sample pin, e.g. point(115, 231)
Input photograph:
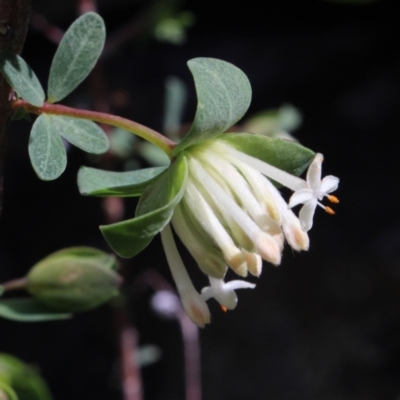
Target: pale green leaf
point(154, 211)
point(25, 380)
point(284, 154)
point(21, 78)
point(46, 149)
point(7, 392)
point(76, 55)
point(29, 310)
point(223, 97)
point(97, 182)
point(153, 154)
point(82, 133)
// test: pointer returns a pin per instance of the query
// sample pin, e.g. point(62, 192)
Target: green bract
point(154, 211)
point(224, 96)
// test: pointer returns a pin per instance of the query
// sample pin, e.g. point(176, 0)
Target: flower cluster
point(219, 194)
point(232, 215)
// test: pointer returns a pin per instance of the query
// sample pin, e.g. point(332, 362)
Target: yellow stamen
point(329, 211)
point(224, 309)
point(333, 199)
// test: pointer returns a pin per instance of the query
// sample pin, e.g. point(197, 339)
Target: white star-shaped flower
point(223, 292)
point(315, 191)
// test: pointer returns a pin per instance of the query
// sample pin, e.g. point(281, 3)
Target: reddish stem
point(144, 132)
point(15, 284)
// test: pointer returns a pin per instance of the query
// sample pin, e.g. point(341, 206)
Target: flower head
point(230, 215)
point(220, 197)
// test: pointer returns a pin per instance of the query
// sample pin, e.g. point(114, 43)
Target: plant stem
point(144, 132)
point(15, 284)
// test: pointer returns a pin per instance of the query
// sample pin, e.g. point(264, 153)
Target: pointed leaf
point(154, 211)
point(223, 97)
point(284, 154)
point(82, 133)
point(21, 78)
point(46, 149)
point(29, 310)
point(97, 182)
point(76, 55)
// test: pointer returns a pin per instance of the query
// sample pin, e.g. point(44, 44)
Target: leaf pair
point(75, 57)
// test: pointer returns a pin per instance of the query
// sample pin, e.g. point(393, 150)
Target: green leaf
point(24, 380)
point(223, 97)
point(29, 310)
point(46, 149)
point(21, 78)
point(1, 290)
point(97, 182)
point(82, 133)
point(76, 55)
point(153, 154)
point(154, 211)
point(7, 392)
point(284, 154)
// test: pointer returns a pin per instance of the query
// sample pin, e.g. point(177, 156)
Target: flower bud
point(74, 279)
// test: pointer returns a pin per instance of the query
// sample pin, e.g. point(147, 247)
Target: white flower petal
point(314, 172)
point(223, 292)
point(329, 184)
point(301, 196)
point(237, 284)
point(306, 215)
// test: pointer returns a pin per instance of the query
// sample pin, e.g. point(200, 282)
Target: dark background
point(325, 324)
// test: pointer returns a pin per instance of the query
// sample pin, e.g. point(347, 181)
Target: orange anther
point(333, 199)
point(224, 309)
point(329, 211)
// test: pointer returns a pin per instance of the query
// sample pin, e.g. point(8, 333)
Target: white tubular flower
point(224, 293)
point(316, 190)
point(194, 304)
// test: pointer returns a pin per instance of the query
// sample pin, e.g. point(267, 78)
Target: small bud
point(74, 279)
